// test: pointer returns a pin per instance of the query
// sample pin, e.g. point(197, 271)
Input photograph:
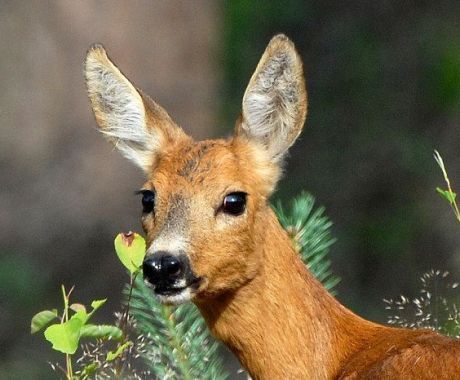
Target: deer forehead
point(197, 168)
point(191, 182)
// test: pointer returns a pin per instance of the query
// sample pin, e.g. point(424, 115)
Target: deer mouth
point(177, 294)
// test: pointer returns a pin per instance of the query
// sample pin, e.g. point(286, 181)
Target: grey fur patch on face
point(173, 234)
point(177, 215)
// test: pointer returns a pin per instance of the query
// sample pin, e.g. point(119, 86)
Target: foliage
point(181, 345)
point(448, 194)
point(101, 361)
point(65, 335)
point(310, 231)
point(432, 308)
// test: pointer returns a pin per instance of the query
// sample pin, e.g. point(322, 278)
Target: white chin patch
point(175, 299)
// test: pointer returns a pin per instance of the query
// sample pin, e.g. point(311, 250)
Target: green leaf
point(82, 316)
point(77, 307)
point(448, 195)
point(42, 319)
point(112, 355)
point(65, 336)
point(130, 250)
point(96, 304)
point(101, 332)
point(90, 369)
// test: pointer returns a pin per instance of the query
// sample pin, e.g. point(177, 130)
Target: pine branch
point(181, 346)
point(310, 231)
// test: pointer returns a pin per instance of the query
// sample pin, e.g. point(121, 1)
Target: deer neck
point(284, 323)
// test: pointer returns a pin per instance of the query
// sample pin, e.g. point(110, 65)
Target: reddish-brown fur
point(256, 294)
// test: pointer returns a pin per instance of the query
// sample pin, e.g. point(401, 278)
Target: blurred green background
point(384, 91)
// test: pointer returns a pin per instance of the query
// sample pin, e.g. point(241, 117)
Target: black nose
point(163, 269)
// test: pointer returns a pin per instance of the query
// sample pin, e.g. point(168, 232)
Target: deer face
point(200, 227)
point(203, 202)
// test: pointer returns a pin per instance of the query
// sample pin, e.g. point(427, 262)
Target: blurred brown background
point(384, 88)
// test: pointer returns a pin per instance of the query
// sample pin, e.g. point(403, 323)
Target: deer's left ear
point(140, 128)
point(275, 101)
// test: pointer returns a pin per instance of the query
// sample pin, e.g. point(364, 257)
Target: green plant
point(65, 336)
point(449, 195)
point(310, 231)
point(181, 346)
point(433, 308)
point(73, 325)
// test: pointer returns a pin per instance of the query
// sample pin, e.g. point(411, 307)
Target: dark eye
point(148, 201)
point(234, 203)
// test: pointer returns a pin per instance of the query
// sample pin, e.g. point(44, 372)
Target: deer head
point(204, 203)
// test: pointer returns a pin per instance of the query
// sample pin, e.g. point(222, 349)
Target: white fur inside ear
point(119, 110)
point(271, 102)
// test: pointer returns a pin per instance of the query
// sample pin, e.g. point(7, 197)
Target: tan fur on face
point(202, 174)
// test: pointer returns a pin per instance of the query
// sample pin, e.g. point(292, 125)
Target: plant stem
point(68, 362)
point(132, 278)
point(453, 204)
point(65, 318)
point(123, 323)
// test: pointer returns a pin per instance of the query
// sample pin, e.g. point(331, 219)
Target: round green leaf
point(65, 336)
point(130, 248)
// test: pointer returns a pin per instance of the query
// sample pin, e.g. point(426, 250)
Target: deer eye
point(148, 201)
point(234, 203)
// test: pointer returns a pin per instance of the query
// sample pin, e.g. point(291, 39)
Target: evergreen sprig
point(181, 346)
point(310, 231)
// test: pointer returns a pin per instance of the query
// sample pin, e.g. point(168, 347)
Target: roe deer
point(214, 240)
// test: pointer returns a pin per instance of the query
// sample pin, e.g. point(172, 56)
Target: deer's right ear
point(275, 101)
point(135, 124)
